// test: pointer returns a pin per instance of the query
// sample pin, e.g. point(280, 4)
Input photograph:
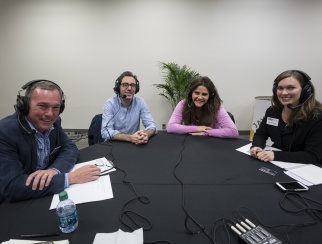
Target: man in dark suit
point(35, 153)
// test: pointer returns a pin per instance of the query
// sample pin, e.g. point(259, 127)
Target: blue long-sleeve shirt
point(119, 119)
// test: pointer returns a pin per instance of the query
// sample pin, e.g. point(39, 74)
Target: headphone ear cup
point(306, 92)
point(22, 104)
point(137, 87)
point(213, 95)
point(274, 89)
point(117, 87)
point(62, 106)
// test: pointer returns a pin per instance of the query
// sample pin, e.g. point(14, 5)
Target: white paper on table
point(309, 172)
point(295, 177)
point(98, 190)
point(287, 165)
point(120, 237)
point(245, 149)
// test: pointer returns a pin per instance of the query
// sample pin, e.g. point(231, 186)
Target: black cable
point(215, 229)
point(78, 137)
point(128, 213)
point(113, 117)
point(302, 204)
point(201, 228)
point(141, 199)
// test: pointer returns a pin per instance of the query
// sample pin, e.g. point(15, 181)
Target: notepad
point(307, 173)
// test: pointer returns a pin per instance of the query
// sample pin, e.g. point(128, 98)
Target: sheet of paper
point(286, 165)
point(120, 237)
point(245, 149)
point(92, 191)
point(310, 173)
point(295, 177)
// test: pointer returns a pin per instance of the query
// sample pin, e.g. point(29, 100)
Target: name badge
point(272, 121)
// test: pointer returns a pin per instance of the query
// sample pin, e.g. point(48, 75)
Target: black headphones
point(22, 102)
point(119, 80)
point(306, 90)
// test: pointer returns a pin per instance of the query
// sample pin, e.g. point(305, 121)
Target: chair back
point(94, 131)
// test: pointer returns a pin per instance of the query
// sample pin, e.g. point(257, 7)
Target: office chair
point(94, 131)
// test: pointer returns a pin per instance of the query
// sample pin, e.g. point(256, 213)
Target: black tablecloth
point(217, 181)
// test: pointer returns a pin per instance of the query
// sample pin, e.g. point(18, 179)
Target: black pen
point(40, 235)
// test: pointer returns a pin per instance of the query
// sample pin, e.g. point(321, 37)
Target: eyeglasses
point(106, 167)
point(126, 85)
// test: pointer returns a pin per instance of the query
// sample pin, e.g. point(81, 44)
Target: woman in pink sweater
point(201, 113)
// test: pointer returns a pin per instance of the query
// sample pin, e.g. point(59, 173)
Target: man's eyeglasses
point(126, 85)
point(106, 167)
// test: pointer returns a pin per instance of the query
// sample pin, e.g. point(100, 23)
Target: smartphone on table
point(292, 186)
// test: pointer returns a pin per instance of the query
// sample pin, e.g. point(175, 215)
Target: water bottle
point(66, 213)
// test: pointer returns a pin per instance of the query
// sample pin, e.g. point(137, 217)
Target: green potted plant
point(177, 79)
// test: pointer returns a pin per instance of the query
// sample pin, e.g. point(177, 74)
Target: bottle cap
point(63, 195)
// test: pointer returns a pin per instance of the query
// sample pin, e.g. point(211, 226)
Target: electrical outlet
point(163, 127)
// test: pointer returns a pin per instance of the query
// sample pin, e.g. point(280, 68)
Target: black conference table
point(218, 181)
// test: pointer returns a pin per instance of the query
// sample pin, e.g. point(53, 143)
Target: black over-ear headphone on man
point(22, 103)
point(306, 92)
point(119, 80)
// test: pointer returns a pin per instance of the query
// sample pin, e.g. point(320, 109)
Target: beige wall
point(242, 45)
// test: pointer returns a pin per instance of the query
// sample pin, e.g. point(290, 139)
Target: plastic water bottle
point(66, 213)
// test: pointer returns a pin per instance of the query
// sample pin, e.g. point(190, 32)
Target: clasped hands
point(261, 154)
point(140, 137)
point(201, 130)
point(42, 178)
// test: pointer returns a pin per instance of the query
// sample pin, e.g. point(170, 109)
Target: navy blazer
point(18, 159)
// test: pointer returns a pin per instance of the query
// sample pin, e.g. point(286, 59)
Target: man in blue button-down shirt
point(122, 113)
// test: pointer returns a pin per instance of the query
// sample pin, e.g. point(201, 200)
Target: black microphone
point(121, 96)
point(290, 106)
point(29, 132)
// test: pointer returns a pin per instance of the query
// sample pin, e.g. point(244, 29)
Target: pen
point(39, 235)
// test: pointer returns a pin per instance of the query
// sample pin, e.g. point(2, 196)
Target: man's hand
point(41, 178)
point(84, 174)
point(140, 137)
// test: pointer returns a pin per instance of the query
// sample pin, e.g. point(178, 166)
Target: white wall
point(242, 45)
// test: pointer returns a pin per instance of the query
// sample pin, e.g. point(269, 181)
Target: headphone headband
point(35, 81)
point(307, 89)
point(22, 102)
point(119, 80)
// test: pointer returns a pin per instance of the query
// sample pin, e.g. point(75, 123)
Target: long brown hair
point(209, 110)
point(310, 108)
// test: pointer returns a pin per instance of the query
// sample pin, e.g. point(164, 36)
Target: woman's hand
point(203, 128)
point(261, 154)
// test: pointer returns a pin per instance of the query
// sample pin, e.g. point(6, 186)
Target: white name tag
point(272, 121)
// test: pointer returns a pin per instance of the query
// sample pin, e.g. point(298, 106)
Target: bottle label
point(68, 221)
